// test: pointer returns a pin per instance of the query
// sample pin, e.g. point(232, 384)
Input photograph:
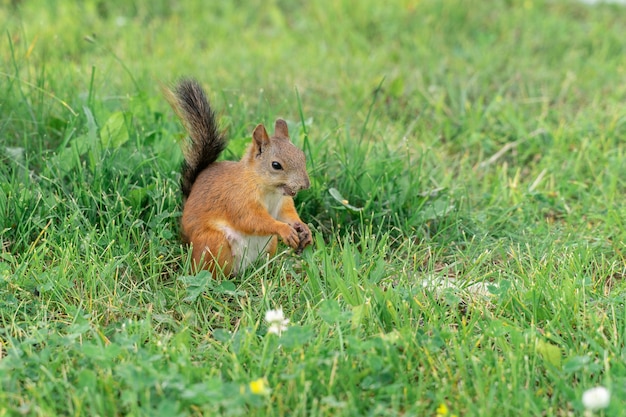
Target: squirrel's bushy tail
point(206, 142)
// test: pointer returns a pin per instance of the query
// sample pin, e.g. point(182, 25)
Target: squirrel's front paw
point(290, 236)
point(304, 234)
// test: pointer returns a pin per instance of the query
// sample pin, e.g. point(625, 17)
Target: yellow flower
point(259, 387)
point(442, 410)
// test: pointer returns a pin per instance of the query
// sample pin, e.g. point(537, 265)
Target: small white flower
point(272, 316)
point(596, 398)
point(277, 328)
point(277, 321)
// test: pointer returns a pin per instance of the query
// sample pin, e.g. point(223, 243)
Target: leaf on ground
point(114, 133)
point(222, 335)
point(15, 153)
point(196, 284)
point(358, 315)
point(331, 313)
point(576, 363)
point(436, 210)
point(228, 288)
point(296, 336)
point(344, 202)
point(550, 353)
point(92, 127)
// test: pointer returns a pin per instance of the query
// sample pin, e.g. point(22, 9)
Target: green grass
point(484, 145)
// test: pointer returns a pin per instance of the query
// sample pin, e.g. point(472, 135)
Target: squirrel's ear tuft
point(261, 139)
point(280, 129)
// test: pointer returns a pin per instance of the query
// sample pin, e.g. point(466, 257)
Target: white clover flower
point(272, 316)
point(277, 321)
point(596, 398)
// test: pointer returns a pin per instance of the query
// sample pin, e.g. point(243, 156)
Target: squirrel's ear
point(261, 139)
point(280, 129)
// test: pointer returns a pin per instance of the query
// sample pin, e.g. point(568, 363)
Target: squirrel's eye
point(277, 166)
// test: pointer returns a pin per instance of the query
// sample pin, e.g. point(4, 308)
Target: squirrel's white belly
point(245, 249)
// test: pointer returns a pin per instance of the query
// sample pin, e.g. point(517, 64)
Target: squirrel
point(234, 211)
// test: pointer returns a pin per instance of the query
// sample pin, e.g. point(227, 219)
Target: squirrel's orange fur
point(234, 211)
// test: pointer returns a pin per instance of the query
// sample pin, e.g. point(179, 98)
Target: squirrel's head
point(278, 161)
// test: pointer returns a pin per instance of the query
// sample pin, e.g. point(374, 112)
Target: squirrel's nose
point(307, 183)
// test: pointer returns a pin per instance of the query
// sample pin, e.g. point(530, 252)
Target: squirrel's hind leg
point(212, 251)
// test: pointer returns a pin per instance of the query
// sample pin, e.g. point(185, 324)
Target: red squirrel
point(234, 211)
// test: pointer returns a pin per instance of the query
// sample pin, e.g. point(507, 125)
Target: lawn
point(468, 174)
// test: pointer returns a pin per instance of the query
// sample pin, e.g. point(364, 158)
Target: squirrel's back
point(205, 141)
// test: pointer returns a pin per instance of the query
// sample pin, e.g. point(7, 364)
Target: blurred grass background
point(483, 141)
